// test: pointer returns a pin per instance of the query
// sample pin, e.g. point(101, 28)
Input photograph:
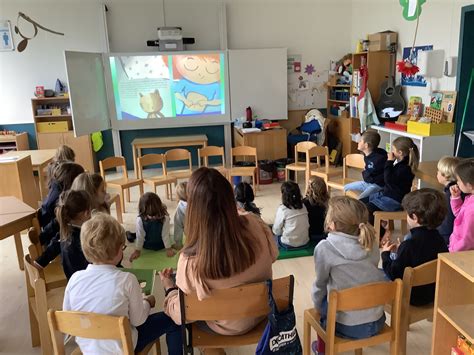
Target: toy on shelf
point(344, 69)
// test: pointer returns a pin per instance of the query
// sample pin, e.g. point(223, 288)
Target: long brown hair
point(408, 149)
point(91, 182)
point(63, 153)
point(150, 205)
point(65, 173)
point(70, 204)
point(317, 192)
point(215, 233)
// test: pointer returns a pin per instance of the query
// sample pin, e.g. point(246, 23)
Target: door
point(82, 148)
point(49, 140)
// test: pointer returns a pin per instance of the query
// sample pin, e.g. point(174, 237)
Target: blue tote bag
point(280, 335)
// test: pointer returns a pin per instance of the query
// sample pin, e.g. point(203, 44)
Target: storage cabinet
point(64, 134)
point(270, 144)
point(10, 142)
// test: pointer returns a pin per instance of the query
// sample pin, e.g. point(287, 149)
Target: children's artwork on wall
point(306, 91)
point(416, 79)
point(294, 63)
point(6, 39)
point(309, 69)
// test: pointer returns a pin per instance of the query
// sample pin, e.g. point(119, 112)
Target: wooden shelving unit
point(10, 142)
point(82, 146)
point(454, 301)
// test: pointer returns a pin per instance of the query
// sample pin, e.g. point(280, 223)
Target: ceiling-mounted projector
point(170, 39)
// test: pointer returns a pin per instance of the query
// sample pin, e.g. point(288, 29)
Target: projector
point(170, 33)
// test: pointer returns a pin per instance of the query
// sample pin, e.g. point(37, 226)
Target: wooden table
point(270, 144)
point(15, 216)
point(164, 142)
point(427, 171)
point(39, 160)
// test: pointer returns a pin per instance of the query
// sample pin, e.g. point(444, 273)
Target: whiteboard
point(258, 78)
point(87, 91)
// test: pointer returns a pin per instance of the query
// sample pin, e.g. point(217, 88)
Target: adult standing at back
point(222, 250)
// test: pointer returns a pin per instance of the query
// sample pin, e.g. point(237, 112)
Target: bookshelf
point(454, 301)
point(54, 127)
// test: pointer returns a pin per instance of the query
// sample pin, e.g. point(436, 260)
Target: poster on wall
point(414, 80)
point(6, 39)
point(307, 89)
point(174, 86)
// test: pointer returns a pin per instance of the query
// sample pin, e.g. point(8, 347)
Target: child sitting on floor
point(153, 226)
point(426, 209)
point(180, 214)
point(374, 159)
point(104, 289)
point(462, 237)
point(399, 173)
point(291, 226)
point(316, 202)
point(348, 258)
point(447, 178)
point(244, 198)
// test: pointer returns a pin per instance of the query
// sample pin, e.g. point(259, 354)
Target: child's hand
point(177, 246)
point(135, 255)
point(390, 156)
point(165, 277)
point(389, 246)
point(151, 300)
point(455, 191)
point(170, 252)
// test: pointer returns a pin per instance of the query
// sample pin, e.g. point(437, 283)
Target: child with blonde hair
point(462, 237)
point(63, 153)
point(94, 185)
point(399, 172)
point(180, 213)
point(348, 258)
point(316, 202)
point(447, 178)
point(153, 226)
point(103, 288)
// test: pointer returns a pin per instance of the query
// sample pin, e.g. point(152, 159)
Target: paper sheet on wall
point(306, 91)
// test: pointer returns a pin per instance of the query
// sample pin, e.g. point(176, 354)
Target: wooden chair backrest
point(33, 236)
point(244, 151)
point(89, 325)
point(32, 272)
point(113, 162)
point(355, 161)
point(150, 159)
point(238, 302)
point(423, 274)
point(177, 154)
point(307, 148)
point(210, 151)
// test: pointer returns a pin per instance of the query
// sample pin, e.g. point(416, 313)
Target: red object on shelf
point(271, 125)
point(397, 126)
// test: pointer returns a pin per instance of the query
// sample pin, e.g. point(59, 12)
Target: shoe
point(314, 347)
point(131, 236)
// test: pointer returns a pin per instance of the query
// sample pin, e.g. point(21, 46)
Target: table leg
point(41, 182)
point(19, 250)
point(134, 151)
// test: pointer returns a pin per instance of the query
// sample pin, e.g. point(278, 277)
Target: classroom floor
point(14, 322)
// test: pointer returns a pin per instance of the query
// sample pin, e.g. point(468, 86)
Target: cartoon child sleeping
point(198, 89)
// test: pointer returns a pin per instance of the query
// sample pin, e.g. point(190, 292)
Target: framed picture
point(6, 38)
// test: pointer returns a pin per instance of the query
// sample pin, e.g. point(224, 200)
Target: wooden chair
point(231, 304)
point(245, 151)
point(326, 171)
point(307, 149)
point(421, 275)
point(122, 184)
point(355, 161)
point(115, 199)
point(390, 217)
point(213, 151)
point(156, 180)
point(53, 274)
point(361, 297)
point(41, 297)
point(92, 326)
point(179, 154)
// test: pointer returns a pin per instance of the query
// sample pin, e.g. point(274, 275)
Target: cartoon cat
point(152, 104)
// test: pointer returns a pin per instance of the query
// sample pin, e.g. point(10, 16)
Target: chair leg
point(122, 200)
point(140, 187)
point(403, 336)
point(118, 208)
point(394, 347)
point(19, 250)
point(127, 195)
point(286, 174)
point(358, 351)
point(34, 328)
point(216, 351)
point(306, 337)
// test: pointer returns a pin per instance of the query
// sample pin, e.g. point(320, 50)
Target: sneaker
point(131, 236)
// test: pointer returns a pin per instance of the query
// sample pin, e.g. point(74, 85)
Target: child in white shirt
point(103, 288)
point(180, 214)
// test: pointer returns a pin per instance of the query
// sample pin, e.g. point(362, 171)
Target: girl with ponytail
point(399, 172)
point(244, 197)
point(348, 257)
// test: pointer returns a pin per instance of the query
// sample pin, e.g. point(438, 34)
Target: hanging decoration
point(411, 12)
point(24, 42)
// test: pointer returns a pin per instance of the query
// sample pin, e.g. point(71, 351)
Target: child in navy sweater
point(399, 173)
point(316, 202)
point(374, 159)
point(426, 209)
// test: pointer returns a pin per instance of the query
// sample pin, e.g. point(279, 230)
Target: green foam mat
point(155, 260)
point(146, 278)
point(288, 254)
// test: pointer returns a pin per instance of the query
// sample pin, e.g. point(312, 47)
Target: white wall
point(42, 62)
point(439, 25)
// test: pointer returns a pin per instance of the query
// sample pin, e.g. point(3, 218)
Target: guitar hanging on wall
point(391, 103)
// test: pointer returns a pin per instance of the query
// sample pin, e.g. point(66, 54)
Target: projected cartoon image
point(168, 86)
point(198, 88)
